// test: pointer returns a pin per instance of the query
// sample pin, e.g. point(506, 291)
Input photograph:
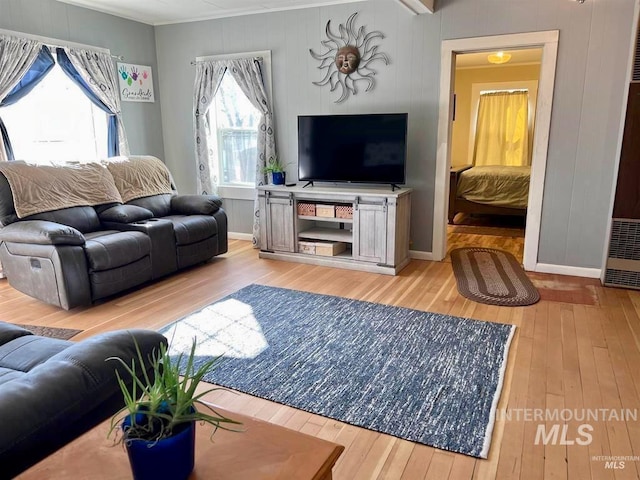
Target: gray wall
point(595, 39)
point(135, 41)
point(594, 46)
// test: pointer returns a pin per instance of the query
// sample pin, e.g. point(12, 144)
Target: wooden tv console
point(376, 237)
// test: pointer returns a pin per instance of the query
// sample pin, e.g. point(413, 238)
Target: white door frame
point(548, 41)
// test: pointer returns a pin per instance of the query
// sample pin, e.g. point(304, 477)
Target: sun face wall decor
point(348, 58)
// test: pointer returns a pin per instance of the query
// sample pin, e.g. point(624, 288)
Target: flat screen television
point(370, 148)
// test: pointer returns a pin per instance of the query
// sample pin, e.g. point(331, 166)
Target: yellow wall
point(465, 77)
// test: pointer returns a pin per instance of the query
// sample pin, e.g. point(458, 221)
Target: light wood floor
point(489, 231)
point(579, 347)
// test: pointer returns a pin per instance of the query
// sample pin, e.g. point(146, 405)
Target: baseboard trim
point(567, 270)
point(240, 236)
point(418, 255)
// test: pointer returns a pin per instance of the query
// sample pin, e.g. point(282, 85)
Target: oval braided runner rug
point(491, 276)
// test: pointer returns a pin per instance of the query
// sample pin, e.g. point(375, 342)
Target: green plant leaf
point(165, 398)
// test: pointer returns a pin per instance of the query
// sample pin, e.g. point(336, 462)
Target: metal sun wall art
point(348, 58)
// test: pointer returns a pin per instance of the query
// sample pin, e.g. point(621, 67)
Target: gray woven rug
point(424, 377)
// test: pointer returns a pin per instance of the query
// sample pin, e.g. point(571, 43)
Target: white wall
point(595, 38)
point(135, 41)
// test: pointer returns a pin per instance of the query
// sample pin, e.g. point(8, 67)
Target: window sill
point(237, 193)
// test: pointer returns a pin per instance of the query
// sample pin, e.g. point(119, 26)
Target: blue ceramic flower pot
point(171, 457)
point(277, 178)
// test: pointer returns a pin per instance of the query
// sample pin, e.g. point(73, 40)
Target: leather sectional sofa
point(52, 391)
point(73, 256)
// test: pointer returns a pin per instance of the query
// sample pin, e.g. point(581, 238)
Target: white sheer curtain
point(208, 77)
point(97, 70)
point(502, 129)
point(248, 74)
point(16, 57)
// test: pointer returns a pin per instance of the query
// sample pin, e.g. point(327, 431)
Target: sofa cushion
point(84, 219)
point(190, 229)
point(160, 205)
point(26, 353)
point(111, 249)
point(64, 396)
point(7, 374)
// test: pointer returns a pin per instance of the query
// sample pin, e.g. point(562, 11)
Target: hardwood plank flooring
point(490, 231)
point(578, 348)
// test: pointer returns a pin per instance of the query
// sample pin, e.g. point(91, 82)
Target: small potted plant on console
point(275, 171)
point(157, 423)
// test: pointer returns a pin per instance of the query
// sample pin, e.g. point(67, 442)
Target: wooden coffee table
point(262, 451)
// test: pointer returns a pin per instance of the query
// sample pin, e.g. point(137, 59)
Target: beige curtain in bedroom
point(502, 129)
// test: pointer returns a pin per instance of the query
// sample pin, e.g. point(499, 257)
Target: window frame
point(101, 148)
point(477, 88)
point(237, 192)
point(54, 43)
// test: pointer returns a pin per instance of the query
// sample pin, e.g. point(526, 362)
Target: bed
point(494, 190)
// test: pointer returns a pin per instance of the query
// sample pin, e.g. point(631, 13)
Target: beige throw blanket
point(139, 176)
point(39, 188)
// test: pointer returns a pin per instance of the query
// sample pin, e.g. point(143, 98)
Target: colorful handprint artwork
point(136, 83)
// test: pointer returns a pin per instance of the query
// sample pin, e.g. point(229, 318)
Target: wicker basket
point(344, 211)
point(307, 209)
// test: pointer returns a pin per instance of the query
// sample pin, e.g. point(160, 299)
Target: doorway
point(491, 149)
point(548, 42)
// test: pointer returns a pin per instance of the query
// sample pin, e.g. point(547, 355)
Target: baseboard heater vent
point(623, 262)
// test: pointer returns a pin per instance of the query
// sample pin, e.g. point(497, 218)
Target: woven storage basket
point(344, 211)
point(307, 209)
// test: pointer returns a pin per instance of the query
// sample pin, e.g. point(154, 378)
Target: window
point(56, 123)
point(232, 123)
point(530, 86)
point(502, 128)
point(234, 131)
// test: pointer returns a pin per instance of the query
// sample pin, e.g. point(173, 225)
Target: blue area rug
point(424, 377)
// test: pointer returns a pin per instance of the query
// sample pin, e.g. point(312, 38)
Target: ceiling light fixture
point(499, 57)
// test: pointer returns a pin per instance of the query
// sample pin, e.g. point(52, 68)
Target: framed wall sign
point(135, 82)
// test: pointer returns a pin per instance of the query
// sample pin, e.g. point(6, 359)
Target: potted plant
point(275, 170)
point(157, 423)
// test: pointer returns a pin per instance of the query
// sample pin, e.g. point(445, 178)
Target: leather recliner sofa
point(74, 256)
point(52, 391)
point(184, 229)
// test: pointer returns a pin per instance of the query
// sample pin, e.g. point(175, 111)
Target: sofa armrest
point(195, 204)
point(41, 232)
point(125, 214)
point(65, 396)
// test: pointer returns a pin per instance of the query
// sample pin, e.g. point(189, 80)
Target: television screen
point(352, 148)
